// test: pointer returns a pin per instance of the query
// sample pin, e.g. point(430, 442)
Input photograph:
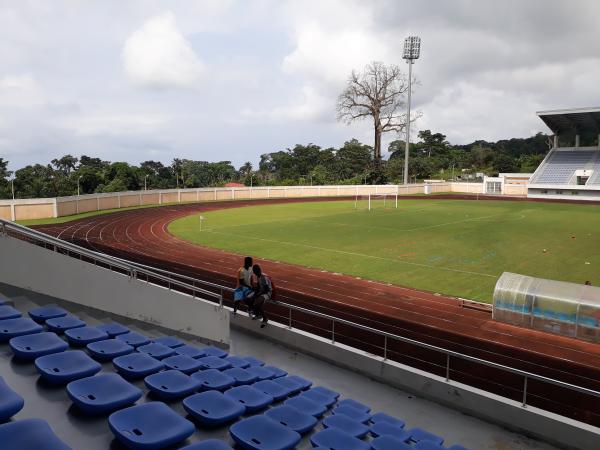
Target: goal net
point(376, 201)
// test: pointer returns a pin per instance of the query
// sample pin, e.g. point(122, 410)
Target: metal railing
point(174, 281)
point(133, 270)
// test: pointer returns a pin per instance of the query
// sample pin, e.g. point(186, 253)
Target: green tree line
point(432, 156)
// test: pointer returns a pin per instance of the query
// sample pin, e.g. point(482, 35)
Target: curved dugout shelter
point(559, 307)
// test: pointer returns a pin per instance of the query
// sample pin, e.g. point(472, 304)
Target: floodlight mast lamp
point(412, 51)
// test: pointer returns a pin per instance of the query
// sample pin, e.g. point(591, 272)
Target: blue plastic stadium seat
point(183, 363)
point(383, 417)
point(354, 404)
point(213, 379)
point(149, 426)
point(419, 434)
point(137, 365)
point(275, 390)
point(30, 434)
point(325, 391)
point(389, 443)
point(61, 324)
point(80, 337)
point(191, 351)
point(353, 413)
point(3, 301)
point(212, 408)
point(237, 361)
point(261, 432)
point(113, 329)
point(457, 447)
point(286, 382)
point(209, 444)
point(8, 312)
point(10, 402)
point(307, 406)
point(346, 424)
point(169, 341)
point(304, 383)
point(251, 398)
point(134, 339)
point(63, 367)
point(40, 315)
point(213, 362)
point(427, 445)
point(261, 373)
point(11, 328)
point(214, 351)
point(31, 346)
point(157, 351)
point(318, 398)
point(292, 418)
point(241, 376)
point(171, 384)
point(335, 439)
point(109, 349)
point(254, 362)
point(388, 429)
point(277, 372)
point(102, 393)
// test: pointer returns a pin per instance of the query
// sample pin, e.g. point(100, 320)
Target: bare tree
point(377, 92)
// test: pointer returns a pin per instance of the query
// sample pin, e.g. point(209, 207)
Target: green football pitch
point(448, 246)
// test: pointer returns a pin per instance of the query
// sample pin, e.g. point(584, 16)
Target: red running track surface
point(141, 235)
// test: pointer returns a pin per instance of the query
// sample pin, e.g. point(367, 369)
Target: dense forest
point(431, 157)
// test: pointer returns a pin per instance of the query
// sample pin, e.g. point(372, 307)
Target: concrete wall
point(543, 425)
point(65, 206)
point(84, 283)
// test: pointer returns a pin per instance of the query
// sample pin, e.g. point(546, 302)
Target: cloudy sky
point(229, 80)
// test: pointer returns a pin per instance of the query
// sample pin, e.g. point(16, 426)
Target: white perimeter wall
point(31, 267)
point(26, 209)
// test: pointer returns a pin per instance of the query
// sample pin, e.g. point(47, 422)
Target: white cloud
point(308, 105)
point(159, 56)
point(19, 91)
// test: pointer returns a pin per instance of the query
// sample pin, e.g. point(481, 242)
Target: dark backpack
point(273, 291)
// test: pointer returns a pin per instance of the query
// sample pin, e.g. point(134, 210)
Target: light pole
point(146, 182)
point(13, 188)
point(78, 180)
point(412, 50)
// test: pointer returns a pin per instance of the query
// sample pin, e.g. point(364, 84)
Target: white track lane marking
point(362, 255)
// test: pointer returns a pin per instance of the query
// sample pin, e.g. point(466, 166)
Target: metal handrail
point(171, 277)
point(133, 269)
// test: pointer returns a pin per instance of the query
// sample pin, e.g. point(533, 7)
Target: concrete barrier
point(36, 269)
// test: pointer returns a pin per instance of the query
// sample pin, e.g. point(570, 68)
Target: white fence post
point(215, 194)
point(232, 194)
point(119, 199)
point(13, 213)
point(178, 195)
point(268, 192)
point(97, 202)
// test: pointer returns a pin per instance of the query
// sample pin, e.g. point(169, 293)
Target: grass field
point(448, 246)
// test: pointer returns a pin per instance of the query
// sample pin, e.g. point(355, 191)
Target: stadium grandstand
point(571, 170)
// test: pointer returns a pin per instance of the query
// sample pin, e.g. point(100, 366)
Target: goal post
point(376, 201)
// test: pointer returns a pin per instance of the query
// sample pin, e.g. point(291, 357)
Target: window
point(559, 192)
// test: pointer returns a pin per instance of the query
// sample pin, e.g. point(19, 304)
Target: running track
point(141, 235)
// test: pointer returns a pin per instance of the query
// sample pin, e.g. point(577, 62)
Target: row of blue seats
point(248, 387)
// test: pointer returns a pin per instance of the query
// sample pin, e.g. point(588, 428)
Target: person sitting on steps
point(244, 287)
point(262, 294)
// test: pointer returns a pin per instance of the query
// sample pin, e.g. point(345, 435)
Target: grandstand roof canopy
point(580, 120)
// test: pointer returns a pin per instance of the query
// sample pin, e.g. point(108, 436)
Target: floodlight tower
point(412, 50)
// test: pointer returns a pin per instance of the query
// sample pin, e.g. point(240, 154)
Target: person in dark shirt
point(262, 294)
